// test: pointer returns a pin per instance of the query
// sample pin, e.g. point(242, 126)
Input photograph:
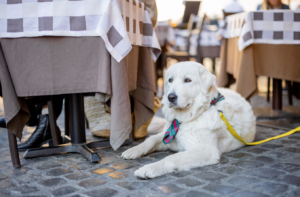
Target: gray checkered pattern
point(32, 18)
point(270, 27)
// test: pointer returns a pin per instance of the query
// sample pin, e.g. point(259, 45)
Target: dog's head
point(188, 87)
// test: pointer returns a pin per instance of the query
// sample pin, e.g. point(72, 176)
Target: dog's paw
point(149, 171)
point(132, 153)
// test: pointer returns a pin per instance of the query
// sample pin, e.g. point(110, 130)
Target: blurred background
point(213, 8)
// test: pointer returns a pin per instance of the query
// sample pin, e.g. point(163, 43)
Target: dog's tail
point(156, 125)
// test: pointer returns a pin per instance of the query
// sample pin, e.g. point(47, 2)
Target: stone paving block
point(83, 165)
point(288, 142)
point(266, 173)
point(265, 160)
point(24, 190)
point(105, 192)
point(133, 185)
point(240, 155)
point(295, 193)
point(248, 164)
point(4, 193)
point(77, 176)
point(293, 150)
point(101, 171)
point(289, 179)
point(211, 176)
point(118, 175)
point(167, 188)
point(241, 181)
point(181, 173)
point(189, 182)
point(46, 166)
point(279, 154)
point(271, 146)
point(124, 165)
point(53, 182)
point(16, 172)
point(142, 194)
point(223, 160)
point(231, 170)
point(271, 188)
point(160, 155)
point(107, 160)
point(258, 150)
point(288, 167)
point(2, 176)
point(58, 172)
point(220, 189)
point(194, 194)
point(91, 183)
point(64, 191)
point(3, 167)
point(144, 160)
point(293, 137)
point(69, 160)
point(5, 184)
point(248, 194)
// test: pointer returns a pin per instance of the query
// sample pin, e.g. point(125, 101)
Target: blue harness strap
point(173, 129)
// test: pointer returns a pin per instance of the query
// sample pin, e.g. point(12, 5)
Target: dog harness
point(173, 129)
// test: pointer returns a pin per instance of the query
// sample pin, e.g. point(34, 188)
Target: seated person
point(272, 5)
point(40, 119)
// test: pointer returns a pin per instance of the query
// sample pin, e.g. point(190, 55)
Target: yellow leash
point(233, 132)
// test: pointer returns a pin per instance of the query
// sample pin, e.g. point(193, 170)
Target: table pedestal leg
point(277, 94)
point(78, 140)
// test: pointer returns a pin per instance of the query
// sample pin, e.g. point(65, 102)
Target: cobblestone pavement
point(270, 169)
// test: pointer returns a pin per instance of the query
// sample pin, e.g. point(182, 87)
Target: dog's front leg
point(179, 162)
point(151, 144)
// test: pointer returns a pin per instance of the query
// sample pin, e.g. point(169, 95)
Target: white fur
point(202, 136)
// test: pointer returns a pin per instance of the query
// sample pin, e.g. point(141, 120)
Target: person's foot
point(2, 122)
point(40, 136)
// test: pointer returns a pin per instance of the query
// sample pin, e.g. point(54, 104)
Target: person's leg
point(42, 134)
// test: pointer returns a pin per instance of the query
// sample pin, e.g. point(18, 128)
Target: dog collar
point(173, 129)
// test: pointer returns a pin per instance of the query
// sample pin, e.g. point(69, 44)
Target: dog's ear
point(207, 79)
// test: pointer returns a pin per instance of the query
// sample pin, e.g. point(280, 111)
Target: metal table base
point(78, 139)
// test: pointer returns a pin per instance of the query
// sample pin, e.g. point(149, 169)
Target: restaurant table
point(72, 47)
point(247, 53)
point(67, 65)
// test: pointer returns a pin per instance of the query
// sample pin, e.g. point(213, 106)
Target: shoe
point(2, 122)
point(40, 136)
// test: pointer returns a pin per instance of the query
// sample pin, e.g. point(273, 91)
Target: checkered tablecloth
point(269, 27)
point(120, 23)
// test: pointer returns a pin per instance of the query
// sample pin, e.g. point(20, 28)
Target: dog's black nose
point(172, 97)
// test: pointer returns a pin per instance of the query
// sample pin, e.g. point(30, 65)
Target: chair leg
point(214, 65)
point(14, 153)
point(67, 116)
point(290, 92)
point(268, 91)
point(53, 126)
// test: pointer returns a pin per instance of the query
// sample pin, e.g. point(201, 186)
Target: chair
point(191, 7)
point(53, 127)
point(183, 55)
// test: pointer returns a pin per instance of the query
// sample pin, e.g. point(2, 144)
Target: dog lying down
point(192, 98)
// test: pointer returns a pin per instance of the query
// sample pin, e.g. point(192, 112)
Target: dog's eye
point(170, 80)
point(187, 80)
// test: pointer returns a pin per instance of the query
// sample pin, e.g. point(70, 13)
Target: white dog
point(202, 136)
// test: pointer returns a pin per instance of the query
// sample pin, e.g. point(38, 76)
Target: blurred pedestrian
point(272, 5)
